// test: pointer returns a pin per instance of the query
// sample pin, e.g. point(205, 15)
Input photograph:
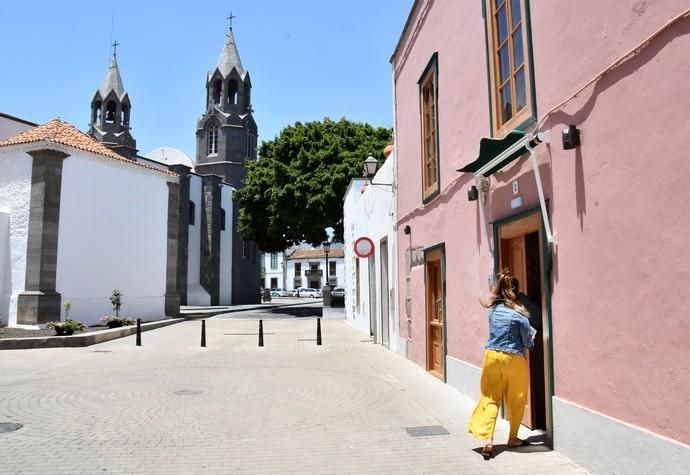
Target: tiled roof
point(64, 133)
point(315, 253)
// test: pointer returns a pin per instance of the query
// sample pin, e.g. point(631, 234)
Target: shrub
point(68, 327)
point(114, 322)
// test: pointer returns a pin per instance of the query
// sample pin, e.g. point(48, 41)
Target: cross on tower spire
point(229, 18)
point(115, 45)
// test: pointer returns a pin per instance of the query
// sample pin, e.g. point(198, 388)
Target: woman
point(505, 373)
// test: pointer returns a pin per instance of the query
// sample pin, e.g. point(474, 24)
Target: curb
point(84, 339)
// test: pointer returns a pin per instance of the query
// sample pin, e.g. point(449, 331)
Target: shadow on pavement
point(298, 312)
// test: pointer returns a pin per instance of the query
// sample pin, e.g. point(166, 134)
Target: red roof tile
point(64, 133)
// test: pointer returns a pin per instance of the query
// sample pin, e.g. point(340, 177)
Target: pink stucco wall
point(619, 203)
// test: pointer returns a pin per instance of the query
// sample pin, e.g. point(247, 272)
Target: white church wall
point(5, 268)
point(225, 297)
point(196, 294)
point(15, 196)
point(113, 234)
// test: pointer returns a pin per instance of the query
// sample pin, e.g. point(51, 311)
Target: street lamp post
point(326, 250)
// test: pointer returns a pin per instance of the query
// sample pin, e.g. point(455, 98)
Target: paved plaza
point(291, 406)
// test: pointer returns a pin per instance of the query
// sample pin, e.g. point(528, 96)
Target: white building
point(306, 267)
point(370, 283)
point(273, 267)
point(77, 221)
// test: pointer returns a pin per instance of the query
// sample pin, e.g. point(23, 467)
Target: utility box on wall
point(5, 268)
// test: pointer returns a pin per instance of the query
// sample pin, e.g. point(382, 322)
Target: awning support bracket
point(529, 142)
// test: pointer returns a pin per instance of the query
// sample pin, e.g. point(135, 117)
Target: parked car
point(311, 293)
point(279, 292)
point(338, 292)
point(292, 293)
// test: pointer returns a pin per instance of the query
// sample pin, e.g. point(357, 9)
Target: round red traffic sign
point(364, 247)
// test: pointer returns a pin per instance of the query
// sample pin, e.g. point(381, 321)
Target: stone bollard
point(326, 295)
point(138, 331)
point(318, 332)
point(203, 333)
point(261, 333)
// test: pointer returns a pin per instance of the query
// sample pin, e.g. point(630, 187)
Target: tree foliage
point(295, 190)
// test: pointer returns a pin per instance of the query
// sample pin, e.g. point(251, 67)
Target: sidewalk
point(170, 406)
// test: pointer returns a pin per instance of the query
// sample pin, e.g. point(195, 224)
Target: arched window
point(124, 116)
point(212, 140)
point(96, 115)
point(110, 109)
point(217, 89)
point(249, 142)
point(232, 92)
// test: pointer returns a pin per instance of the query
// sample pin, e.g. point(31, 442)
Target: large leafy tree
point(295, 190)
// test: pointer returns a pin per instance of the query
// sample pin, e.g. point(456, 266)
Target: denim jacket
point(509, 330)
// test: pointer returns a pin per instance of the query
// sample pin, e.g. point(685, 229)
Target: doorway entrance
point(385, 334)
point(372, 297)
point(520, 249)
point(435, 315)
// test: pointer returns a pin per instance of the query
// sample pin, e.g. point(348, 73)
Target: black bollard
point(318, 331)
point(261, 333)
point(138, 331)
point(203, 333)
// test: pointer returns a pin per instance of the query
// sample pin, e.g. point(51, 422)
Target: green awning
point(490, 148)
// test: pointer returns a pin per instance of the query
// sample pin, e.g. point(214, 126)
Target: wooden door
point(520, 253)
point(434, 313)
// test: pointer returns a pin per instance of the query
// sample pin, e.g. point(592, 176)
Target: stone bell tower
point(110, 113)
point(226, 134)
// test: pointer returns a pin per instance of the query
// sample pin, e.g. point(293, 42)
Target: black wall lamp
point(472, 194)
point(571, 137)
point(407, 229)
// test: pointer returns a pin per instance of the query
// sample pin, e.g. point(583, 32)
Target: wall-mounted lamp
point(571, 137)
point(370, 165)
point(407, 229)
point(472, 194)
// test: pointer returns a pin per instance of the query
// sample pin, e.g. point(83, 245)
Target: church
point(83, 213)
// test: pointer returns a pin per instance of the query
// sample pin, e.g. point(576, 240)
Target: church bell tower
point(110, 113)
point(226, 134)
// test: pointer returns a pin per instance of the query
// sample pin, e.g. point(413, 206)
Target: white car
point(311, 293)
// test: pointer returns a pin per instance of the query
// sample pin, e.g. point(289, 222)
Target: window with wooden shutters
point(428, 89)
point(509, 64)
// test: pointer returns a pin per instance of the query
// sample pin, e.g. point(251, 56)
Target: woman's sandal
point(487, 451)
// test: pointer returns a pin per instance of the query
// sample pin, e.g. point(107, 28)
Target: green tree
point(295, 190)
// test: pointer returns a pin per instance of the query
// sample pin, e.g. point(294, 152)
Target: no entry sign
point(364, 247)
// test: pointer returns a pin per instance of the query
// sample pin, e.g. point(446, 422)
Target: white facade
point(274, 270)
point(294, 281)
point(225, 296)
point(112, 234)
point(196, 294)
point(370, 283)
point(15, 195)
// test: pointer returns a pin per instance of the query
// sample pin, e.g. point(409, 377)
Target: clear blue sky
point(307, 59)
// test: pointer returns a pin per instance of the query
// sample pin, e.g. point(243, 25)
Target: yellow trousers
point(504, 375)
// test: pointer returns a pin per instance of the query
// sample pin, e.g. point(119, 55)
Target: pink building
point(594, 223)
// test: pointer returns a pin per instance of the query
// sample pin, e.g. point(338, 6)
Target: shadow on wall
point(5, 269)
point(627, 68)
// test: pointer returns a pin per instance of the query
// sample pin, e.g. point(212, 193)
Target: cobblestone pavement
point(171, 406)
